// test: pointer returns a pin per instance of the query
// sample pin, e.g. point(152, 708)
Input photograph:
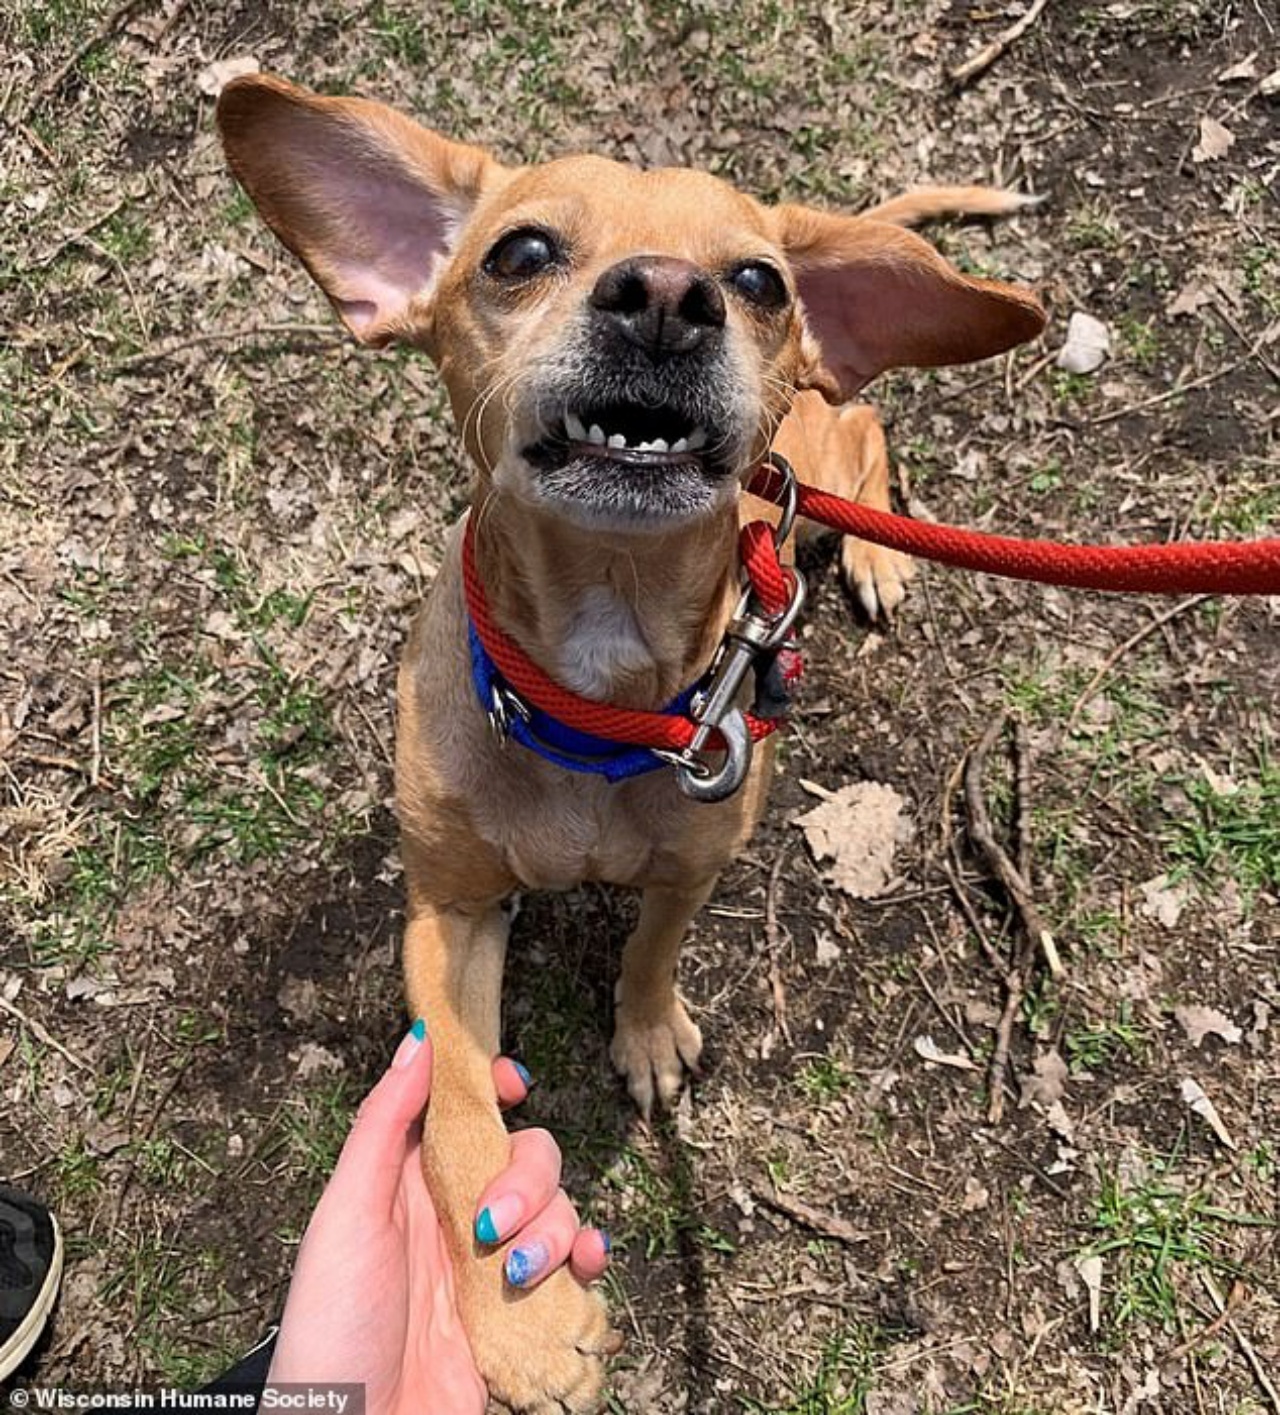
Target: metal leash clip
point(750, 634)
point(504, 705)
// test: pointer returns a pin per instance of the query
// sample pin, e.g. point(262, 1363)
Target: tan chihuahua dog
point(621, 347)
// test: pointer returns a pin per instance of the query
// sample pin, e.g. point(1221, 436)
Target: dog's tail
point(929, 203)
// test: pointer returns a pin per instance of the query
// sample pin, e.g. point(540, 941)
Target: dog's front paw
point(876, 576)
point(541, 1352)
point(653, 1048)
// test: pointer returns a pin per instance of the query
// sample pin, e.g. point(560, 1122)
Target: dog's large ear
point(878, 297)
point(370, 202)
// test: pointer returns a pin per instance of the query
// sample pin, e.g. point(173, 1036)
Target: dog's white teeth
point(659, 444)
point(680, 445)
point(596, 434)
point(697, 438)
point(574, 427)
point(616, 439)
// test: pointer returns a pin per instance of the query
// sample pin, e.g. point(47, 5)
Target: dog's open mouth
point(631, 461)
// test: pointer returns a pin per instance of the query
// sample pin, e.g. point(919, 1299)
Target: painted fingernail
point(526, 1263)
point(523, 1072)
point(605, 1241)
point(499, 1219)
point(408, 1048)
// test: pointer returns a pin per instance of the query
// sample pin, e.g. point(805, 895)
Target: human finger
point(522, 1190)
point(543, 1244)
point(511, 1081)
point(589, 1256)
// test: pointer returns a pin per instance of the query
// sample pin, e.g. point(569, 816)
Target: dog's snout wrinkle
point(662, 304)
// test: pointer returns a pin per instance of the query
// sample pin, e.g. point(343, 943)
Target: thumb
point(371, 1158)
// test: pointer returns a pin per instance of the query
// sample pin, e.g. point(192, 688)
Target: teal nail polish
point(606, 1240)
point(523, 1072)
point(486, 1229)
point(419, 1030)
point(526, 1263)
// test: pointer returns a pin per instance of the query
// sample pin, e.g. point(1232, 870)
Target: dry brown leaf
point(858, 829)
point(1199, 1022)
point(1189, 299)
point(1215, 141)
point(1163, 901)
point(928, 1050)
point(1090, 1269)
point(1243, 72)
point(1193, 1094)
point(1046, 1083)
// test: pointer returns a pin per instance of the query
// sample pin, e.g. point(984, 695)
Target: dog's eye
point(760, 284)
point(519, 255)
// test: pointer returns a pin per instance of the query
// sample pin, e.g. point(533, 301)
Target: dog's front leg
point(539, 1351)
point(654, 1037)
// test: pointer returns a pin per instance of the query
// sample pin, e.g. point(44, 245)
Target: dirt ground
point(216, 517)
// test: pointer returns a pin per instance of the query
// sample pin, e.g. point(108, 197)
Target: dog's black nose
point(660, 303)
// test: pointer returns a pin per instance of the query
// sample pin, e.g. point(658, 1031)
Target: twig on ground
point(147, 1132)
point(1235, 1298)
point(1170, 393)
point(1131, 643)
point(961, 1035)
point(1014, 989)
point(980, 62)
point(1014, 975)
point(773, 940)
point(1255, 349)
point(1243, 1342)
point(215, 336)
point(1022, 797)
point(51, 83)
point(43, 1034)
point(993, 852)
point(828, 1225)
point(42, 262)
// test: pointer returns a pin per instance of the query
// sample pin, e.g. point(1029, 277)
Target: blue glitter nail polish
point(526, 1263)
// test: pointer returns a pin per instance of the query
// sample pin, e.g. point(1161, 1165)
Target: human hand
point(372, 1298)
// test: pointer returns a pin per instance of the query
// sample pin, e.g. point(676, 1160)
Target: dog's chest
point(603, 644)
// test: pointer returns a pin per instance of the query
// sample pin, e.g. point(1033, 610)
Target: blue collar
point(549, 738)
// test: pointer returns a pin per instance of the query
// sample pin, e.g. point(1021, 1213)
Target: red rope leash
point(1217, 567)
point(615, 724)
point(1224, 567)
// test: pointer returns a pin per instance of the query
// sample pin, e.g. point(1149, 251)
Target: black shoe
point(30, 1271)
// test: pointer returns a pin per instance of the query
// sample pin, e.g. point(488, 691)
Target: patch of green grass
point(1153, 1231)
point(661, 1214)
point(126, 236)
point(824, 1079)
point(78, 1174)
point(1047, 478)
point(1260, 264)
point(163, 1286)
point(311, 1130)
point(845, 1374)
point(1232, 834)
point(1089, 1048)
point(1069, 388)
point(1140, 340)
point(1094, 229)
point(49, 22)
point(1247, 508)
